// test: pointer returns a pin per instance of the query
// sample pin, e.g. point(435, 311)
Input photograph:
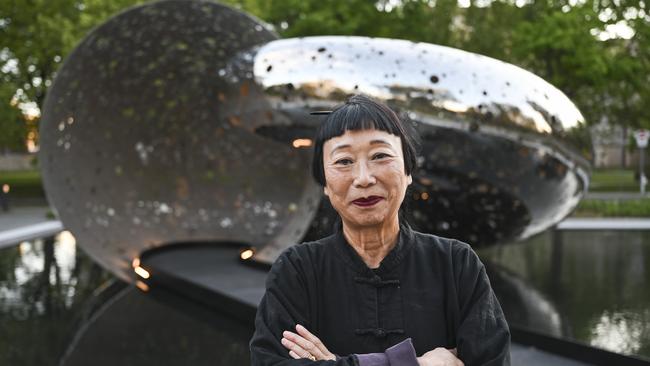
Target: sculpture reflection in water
point(126, 330)
point(189, 121)
point(523, 304)
point(587, 286)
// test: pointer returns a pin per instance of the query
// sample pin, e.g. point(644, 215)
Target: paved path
point(22, 216)
point(605, 223)
point(24, 223)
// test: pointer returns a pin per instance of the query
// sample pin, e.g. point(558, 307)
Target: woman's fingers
point(327, 355)
point(302, 331)
point(301, 346)
point(295, 350)
point(305, 344)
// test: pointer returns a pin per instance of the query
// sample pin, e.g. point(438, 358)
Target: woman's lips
point(368, 201)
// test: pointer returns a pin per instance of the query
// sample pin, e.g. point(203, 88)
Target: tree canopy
point(35, 37)
point(596, 51)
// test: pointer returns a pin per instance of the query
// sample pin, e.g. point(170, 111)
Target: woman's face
point(365, 178)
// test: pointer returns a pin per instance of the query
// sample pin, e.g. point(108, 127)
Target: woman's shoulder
point(432, 240)
point(299, 259)
point(306, 251)
point(459, 256)
point(441, 244)
point(310, 247)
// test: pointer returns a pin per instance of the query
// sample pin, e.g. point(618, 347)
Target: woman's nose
point(363, 175)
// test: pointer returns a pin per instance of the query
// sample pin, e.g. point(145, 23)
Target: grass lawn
point(613, 208)
point(613, 180)
point(23, 183)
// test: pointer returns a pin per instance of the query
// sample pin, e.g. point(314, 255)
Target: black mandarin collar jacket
point(431, 289)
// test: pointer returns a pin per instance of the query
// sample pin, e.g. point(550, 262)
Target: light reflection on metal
point(495, 164)
point(246, 254)
point(140, 149)
point(141, 272)
point(136, 262)
point(297, 143)
point(142, 286)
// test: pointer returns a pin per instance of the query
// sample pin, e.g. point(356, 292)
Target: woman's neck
point(372, 243)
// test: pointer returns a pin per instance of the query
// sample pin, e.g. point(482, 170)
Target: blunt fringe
point(360, 112)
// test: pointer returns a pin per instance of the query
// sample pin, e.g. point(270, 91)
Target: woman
point(376, 292)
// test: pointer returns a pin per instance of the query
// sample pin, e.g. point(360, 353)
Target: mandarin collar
point(394, 257)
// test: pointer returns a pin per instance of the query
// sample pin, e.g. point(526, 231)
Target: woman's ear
point(409, 179)
point(326, 191)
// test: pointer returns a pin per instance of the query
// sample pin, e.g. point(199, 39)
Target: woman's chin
point(368, 221)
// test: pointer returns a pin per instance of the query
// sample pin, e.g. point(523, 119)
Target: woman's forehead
point(362, 138)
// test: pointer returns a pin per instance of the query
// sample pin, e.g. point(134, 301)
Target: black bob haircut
point(362, 113)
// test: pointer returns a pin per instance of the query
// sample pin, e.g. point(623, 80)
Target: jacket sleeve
point(284, 305)
point(401, 354)
point(483, 336)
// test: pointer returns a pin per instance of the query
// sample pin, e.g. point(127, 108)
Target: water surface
point(45, 289)
point(590, 286)
point(57, 307)
point(593, 287)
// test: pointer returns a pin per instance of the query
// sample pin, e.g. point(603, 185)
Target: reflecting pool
point(56, 304)
point(589, 286)
point(45, 290)
point(57, 307)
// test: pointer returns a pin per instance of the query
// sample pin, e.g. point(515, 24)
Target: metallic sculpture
point(189, 121)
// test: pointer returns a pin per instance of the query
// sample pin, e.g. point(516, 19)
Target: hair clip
point(317, 113)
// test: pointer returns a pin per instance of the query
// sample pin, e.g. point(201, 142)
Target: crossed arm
point(304, 344)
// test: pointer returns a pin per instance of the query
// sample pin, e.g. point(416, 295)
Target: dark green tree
point(563, 41)
point(35, 37)
point(13, 127)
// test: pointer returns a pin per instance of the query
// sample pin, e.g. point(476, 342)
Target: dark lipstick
point(367, 201)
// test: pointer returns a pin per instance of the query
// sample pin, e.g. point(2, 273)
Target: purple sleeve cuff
point(402, 354)
point(373, 359)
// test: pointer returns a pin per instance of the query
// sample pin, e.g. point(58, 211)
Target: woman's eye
point(343, 162)
point(380, 156)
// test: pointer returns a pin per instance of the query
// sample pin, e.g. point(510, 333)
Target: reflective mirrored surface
point(495, 164)
point(182, 121)
point(147, 138)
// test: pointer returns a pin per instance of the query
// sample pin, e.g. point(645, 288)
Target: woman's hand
point(305, 345)
point(440, 357)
